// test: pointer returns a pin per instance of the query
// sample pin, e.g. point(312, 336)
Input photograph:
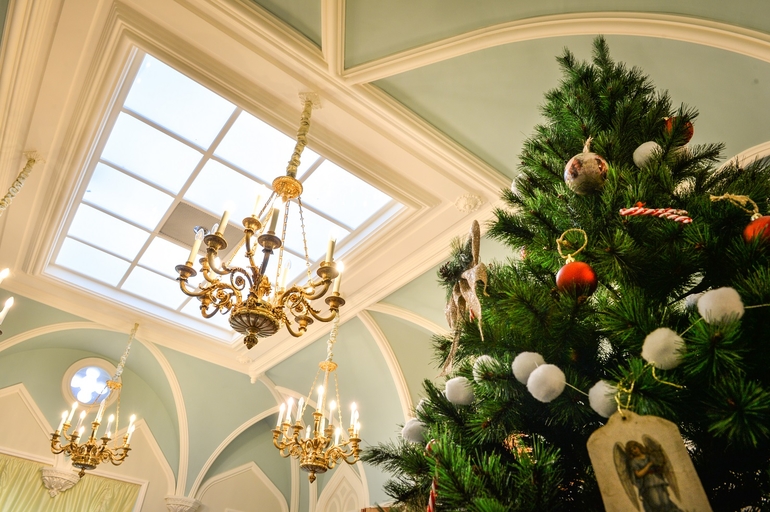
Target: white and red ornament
point(645, 153)
point(680, 216)
point(586, 172)
point(663, 348)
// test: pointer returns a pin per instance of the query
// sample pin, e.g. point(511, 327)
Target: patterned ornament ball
point(577, 277)
point(689, 130)
point(758, 228)
point(586, 172)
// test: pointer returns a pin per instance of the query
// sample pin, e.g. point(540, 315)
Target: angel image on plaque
point(645, 469)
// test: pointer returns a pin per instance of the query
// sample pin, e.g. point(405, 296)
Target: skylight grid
point(176, 151)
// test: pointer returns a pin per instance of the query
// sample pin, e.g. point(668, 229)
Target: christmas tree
point(651, 223)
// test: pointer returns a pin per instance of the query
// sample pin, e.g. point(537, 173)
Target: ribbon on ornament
point(464, 298)
point(741, 202)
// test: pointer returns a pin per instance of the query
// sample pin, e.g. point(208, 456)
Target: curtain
point(22, 490)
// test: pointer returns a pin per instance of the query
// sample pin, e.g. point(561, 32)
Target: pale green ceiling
point(303, 15)
point(488, 101)
point(376, 28)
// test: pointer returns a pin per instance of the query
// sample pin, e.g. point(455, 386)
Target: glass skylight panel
point(218, 188)
point(106, 232)
point(317, 231)
point(91, 262)
point(170, 99)
point(150, 154)
point(126, 197)
point(261, 150)
point(162, 256)
point(342, 196)
point(154, 287)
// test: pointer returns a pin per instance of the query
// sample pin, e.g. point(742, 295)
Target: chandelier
point(318, 447)
point(89, 453)
point(257, 307)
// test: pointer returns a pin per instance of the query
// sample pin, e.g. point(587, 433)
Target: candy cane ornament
point(680, 216)
point(434, 484)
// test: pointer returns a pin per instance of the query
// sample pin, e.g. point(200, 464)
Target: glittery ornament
point(586, 172)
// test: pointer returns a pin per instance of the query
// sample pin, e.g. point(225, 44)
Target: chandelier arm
point(294, 333)
point(321, 293)
point(234, 278)
point(250, 255)
point(183, 284)
point(316, 314)
point(210, 255)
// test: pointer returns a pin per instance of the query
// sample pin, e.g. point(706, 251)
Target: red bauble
point(577, 277)
point(689, 131)
point(758, 228)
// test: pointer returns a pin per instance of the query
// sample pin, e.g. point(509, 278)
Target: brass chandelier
point(90, 453)
point(322, 446)
point(257, 307)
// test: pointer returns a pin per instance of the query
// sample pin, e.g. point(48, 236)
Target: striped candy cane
point(434, 484)
point(664, 213)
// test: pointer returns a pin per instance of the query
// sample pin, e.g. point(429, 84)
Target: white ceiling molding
point(248, 467)
point(45, 427)
point(404, 399)
point(680, 28)
point(194, 490)
point(338, 490)
point(48, 329)
point(409, 316)
point(333, 34)
point(181, 414)
point(749, 155)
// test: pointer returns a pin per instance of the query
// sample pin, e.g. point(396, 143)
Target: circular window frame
point(79, 365)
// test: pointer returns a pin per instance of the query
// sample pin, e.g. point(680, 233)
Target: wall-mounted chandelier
point(257, 307)
point(320, 446)
point(88, 453)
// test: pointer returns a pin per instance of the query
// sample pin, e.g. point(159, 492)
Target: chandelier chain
point(304, 239)
point(304, 126)
point(283, 240)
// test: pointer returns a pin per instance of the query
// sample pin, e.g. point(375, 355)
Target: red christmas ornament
point(586, 172)
point(759, 227)
point(689, 131)
point(577, 277)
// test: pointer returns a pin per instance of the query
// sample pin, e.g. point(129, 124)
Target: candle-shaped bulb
point(4, 273)
point(323, 424)
point(129, 434)
point(352, 415)
point(100, 413)
point(131, 421)
point(4, 312)
point(330, 247)
point(196, 245)
point(109, 425)
point(80, 421)
point(63, 419)
point(307, 432)
point(280, 415)
point(273, 220)
point(285, 274)
point(72, 413)
point(256, 205)
point(357, 429)
point(223, 222)
point(337, 436)
point(300, 408)
point(319, 405)
point(289, 407)
point(332, 407)
point(80, 431)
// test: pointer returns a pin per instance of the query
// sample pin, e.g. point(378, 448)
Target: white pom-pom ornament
point(524, 364)
point(421, 405)
point(482, 365)
point(414, 431)
point(546, 382)
point(691, 301)
point(459, 391)
point(663, 348)
point(601, 397)
point(720, 305)
point(644, 153)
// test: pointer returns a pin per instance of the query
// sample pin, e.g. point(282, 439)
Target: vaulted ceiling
point(429, 101)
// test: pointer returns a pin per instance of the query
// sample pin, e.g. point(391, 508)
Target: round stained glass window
point(86, 381)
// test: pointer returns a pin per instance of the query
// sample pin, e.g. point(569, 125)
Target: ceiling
point(428, 101)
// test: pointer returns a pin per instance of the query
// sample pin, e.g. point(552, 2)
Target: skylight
point(175, 157)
